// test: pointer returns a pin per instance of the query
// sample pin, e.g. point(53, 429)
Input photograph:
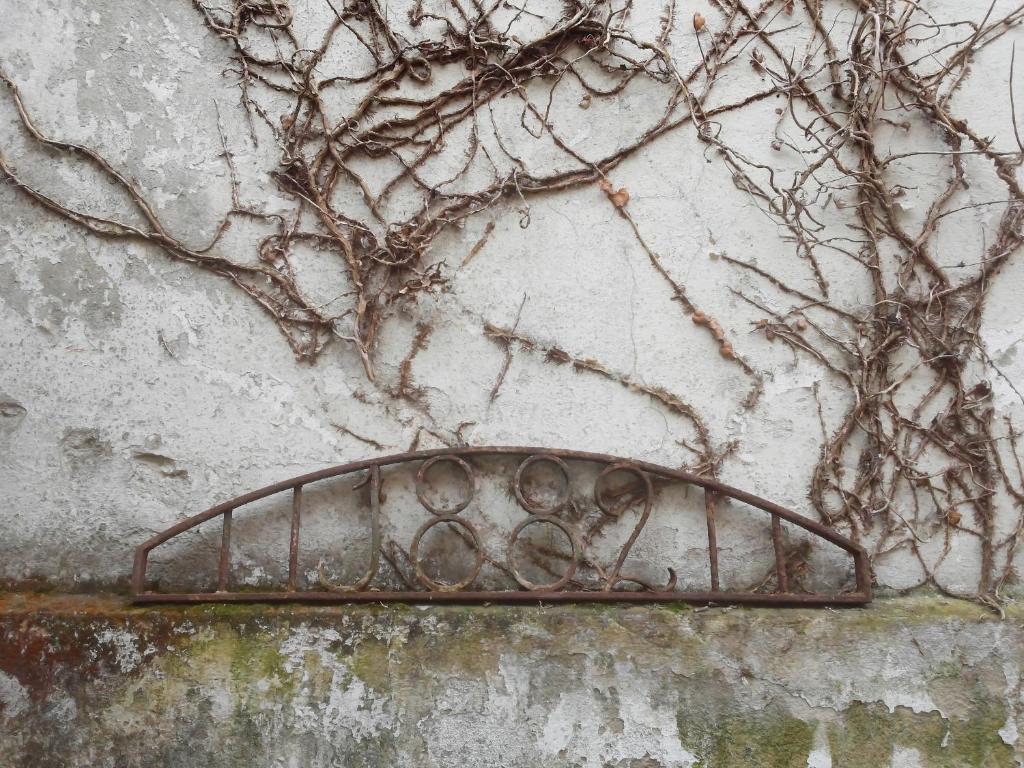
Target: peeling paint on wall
point(136, 390)
point(102, 684)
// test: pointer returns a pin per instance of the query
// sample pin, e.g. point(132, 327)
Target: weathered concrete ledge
point(92, 681)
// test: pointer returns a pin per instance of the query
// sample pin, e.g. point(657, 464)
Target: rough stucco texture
point(916, 683)
point(135, 391)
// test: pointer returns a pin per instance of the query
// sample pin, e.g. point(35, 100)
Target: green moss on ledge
point(566, 686)
point(768, 739)
point(869, 733)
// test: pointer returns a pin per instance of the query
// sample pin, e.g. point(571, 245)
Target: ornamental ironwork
point(552, 526)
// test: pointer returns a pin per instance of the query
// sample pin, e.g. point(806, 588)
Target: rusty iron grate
point(577, 573)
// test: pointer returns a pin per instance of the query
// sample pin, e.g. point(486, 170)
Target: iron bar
point(709, 514)
point(780, 555)
point(293, 544)
point(225, 554)
point(515, 596)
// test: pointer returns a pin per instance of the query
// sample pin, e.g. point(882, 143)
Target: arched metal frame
point(531, 593)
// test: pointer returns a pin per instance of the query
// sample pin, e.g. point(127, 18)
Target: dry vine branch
point(919, 460)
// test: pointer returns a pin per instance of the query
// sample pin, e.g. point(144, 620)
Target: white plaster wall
point(139, 390)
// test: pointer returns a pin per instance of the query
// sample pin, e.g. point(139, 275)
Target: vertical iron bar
point(862, 567)
point(225, 554)
point(709, 513)
point(780, 555)
point(293, 546)
point(374, 526)
point(139, 571)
